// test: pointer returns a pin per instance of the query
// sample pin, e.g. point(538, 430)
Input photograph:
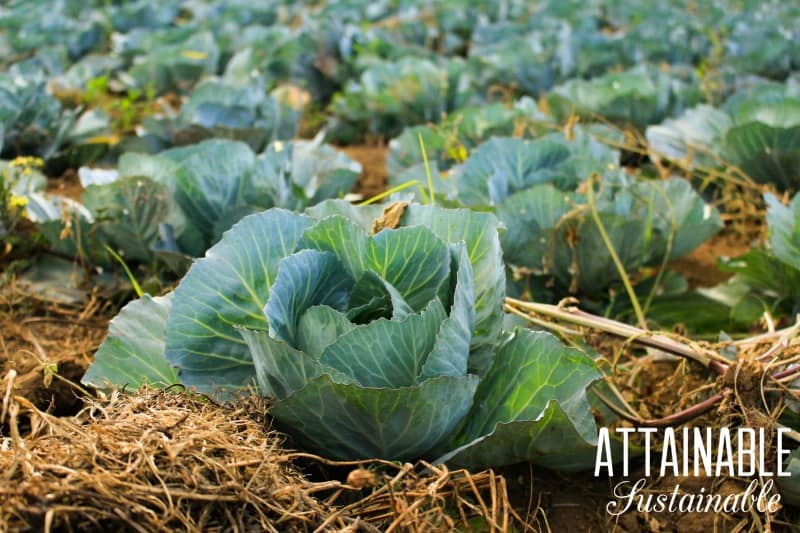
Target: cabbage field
point(394, 265)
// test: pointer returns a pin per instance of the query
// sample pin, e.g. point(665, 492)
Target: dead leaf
point(390, 218)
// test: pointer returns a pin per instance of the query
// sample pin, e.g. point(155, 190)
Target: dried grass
point(49, 345)
point(168, 460)
point(172, 461)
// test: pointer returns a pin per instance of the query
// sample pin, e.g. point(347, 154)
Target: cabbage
point(370, 344)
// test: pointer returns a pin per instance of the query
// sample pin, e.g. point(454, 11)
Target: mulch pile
point(169, 460)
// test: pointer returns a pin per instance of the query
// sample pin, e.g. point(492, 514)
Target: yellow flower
point(458, 153)
point(27, 162)
point(18, 201)
point(194, 54)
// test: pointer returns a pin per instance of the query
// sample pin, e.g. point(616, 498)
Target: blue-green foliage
point(174, 205)
point(370, 345)
point(757, 130)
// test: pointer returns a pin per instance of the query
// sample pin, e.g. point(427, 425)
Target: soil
point(700, 266)
point(578, 503)
point(67, 184)
point(373, 161)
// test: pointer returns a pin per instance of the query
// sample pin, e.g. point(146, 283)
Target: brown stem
point(632, 333)
point(786, 373)
point(687, 414)
point(675, 419)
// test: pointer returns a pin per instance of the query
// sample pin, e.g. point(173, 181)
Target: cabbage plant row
point(377, 66)
point(173, 206)
point(552, 244)
point(379, 332)
point(756, 131)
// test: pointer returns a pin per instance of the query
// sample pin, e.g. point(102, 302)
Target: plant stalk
point(632, 333)
point(675, 419)
point(637, 309)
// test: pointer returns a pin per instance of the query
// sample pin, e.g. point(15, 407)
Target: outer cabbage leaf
point(133, 352)
point(405, 151)
point(757, 130)
point(679, 214)
point(132, 15)
point(500, 167)
point(361, 215)
point(790, 485)
point(419, 180)
point(762, 49)
point(279, 368)
point(784, 229)
point(295, 174)
point(158, 168)
point(216, 109)
point(391, 95)
point(586, 267)
point(692, 137)
point(533, 71)
point(217, 182)
point(586, 54)
point(449, 142)
point(531, 406)
point(229, 287)
point(347, 421)
point(31, 119)
point(645, 221)
point(531, 217)
point(209, 181)
point(97, 176)
point(66, 224)
point(767, 154)
point(768, 278)
point(175, 64)
point(639, 96)
point(762, 271)
point(276, 52)
point(320, 171)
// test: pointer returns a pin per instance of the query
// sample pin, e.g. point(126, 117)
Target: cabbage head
point(361, 324)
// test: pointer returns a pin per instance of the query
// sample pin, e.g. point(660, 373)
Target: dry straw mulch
point(49, 345)
point(168, 460)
